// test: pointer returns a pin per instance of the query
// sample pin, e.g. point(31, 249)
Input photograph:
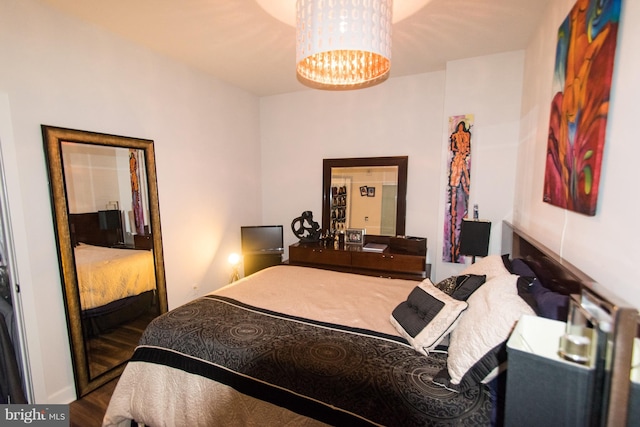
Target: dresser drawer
point(143, 241)
point(389, 262)
point(318, 255)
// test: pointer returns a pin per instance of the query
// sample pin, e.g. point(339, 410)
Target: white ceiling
point(238, 42)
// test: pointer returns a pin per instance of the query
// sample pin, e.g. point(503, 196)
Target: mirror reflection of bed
point(116, 284)
point(107, 220)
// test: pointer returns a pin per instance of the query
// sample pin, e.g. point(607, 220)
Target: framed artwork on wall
point(582, 78)
point(458, 185)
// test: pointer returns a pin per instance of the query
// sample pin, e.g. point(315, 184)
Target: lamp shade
point(474, 238)
point(343, 44)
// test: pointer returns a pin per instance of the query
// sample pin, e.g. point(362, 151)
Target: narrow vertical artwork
point(136, 203)
point(582, 83)
point(458, 185)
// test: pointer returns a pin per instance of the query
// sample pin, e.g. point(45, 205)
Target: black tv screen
point(261, 239)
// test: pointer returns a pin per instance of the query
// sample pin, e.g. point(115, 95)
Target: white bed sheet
point(168, 397)
point(345, 299)
point(109, 274)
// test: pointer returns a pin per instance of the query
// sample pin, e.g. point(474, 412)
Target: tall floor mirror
point(104, 196)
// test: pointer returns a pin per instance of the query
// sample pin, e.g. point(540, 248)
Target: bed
point(301, 346)
point(115, 284)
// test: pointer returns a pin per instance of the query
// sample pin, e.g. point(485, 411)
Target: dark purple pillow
point(521, 268)
point(523, 284)
point(551, 305)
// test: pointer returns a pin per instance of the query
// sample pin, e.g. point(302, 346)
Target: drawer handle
point(389, 256)
point(317, 250)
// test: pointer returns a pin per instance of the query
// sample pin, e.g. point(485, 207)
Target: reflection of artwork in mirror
point(107, 222)
point(375, 214)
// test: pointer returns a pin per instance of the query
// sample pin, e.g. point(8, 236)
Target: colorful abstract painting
point(582, 82)
point(136, 202)
point(458, 185)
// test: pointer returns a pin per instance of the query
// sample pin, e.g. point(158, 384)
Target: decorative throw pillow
point(478, 345)
point(427, 316)
point(460, 287)
point(490, 266)
point(551, 305)
point(447, 285)
point(466, 285)
point(520, 268)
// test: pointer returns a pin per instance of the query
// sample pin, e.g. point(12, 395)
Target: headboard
point(563, 277)
point(102, 228)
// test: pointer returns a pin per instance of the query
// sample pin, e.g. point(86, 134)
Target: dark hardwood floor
point(116, 346)
point(90, 409)
point(105, 351)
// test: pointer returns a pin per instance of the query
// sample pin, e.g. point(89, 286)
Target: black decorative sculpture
point(305, 228)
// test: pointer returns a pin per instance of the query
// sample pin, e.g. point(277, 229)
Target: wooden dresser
point(353, 259)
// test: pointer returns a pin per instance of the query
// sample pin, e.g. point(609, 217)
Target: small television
point(261, 239)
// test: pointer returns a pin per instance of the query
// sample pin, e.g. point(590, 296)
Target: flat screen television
point(261, 239)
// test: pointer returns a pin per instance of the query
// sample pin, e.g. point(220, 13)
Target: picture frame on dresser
point(354, 236)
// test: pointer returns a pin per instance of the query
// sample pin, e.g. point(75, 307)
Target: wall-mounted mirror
point(365, 192)
point(107, 222)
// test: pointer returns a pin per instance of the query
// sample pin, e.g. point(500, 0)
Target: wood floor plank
point(90, 409)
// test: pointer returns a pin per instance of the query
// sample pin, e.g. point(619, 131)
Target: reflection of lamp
point(234, 261)
point(474, 238)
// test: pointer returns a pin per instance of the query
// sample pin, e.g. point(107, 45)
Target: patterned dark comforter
point(338, 375)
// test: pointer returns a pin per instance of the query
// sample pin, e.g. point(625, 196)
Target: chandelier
point(343, 44)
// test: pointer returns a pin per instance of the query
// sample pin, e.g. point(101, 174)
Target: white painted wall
point(60, 72)
point(404, 116)
point(605, 245)
point(401, 117)
point(488, 87)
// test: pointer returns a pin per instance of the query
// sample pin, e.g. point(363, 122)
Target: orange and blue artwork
point(582, 79)
point(458, 185)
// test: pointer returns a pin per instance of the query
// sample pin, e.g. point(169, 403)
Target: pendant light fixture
point(343, 44)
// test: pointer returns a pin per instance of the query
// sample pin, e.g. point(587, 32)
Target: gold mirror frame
point(53, 138)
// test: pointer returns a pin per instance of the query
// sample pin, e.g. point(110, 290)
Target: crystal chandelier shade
point(343, 44)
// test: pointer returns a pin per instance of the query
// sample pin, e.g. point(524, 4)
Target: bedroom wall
point(403, 116)
point(60, 72)
point(603, 246)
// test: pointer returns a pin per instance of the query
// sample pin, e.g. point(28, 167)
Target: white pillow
point(427, 316)
point(490, 266)
point(493, 312)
